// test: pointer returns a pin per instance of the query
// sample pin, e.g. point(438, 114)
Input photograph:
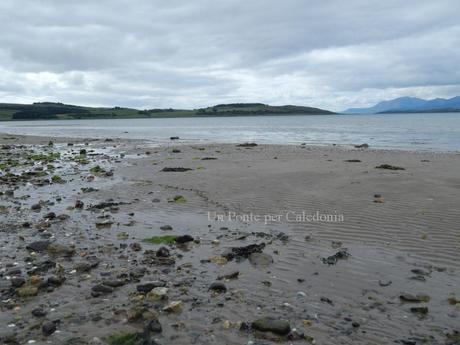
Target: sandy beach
point(227, 244)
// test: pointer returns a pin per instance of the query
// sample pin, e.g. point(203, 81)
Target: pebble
point(147, 287)
point(102, 288)
point(268, 324)
point(38, 312)
point(49, 328)
point(218, 287)
point(173, 307)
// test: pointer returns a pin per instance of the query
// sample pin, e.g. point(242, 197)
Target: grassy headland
point(60, 111)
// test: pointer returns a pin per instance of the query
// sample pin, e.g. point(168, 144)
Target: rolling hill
point(56, 111)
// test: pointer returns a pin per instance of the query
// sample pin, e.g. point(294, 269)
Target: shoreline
point(43, 139)
point(136, 228)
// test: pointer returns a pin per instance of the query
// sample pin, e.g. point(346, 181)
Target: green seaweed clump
point(125, 338)
point(178, 199)
point(160, 239)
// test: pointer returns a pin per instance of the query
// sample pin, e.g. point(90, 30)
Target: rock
point(340, 255)
point(173, 307)
point(49, 328)
point(163, 252)
point(155, 326)
point(60, 250)
point(38, 246)
point(267, 324)
point(135, 246)
point(38, 312)
point(260, 259)
point(106, 223)
point(362, 146)
point(247, 145)
point(422, 311)
point(147, 287)
point(36, 207)
point(36, 280)
point(385, 282)
point(81, 267)
point(244, 252)
point(174, 138)
point(178, 169)
point(79, 204)
point(101, 288)
point(184, 239)
point(27, 291)
point(218, 260)
point(17, 282)
point(49, 215)
point(157, 294)
point(218, 287)
point(56, 280)
point(114, 283)
point(389, 167)
point(166, 227)
point(136, 314)
point(14, 272)
point(229, 276)
point(406, 297)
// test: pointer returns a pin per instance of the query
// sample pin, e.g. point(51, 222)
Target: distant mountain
point(410, 105)
point(60, 111)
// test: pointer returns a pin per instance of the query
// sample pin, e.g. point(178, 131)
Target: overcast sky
point(332, 54)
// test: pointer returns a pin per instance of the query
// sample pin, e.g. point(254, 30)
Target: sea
point(413, 132)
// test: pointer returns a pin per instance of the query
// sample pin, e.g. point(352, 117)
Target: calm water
point(422, 132)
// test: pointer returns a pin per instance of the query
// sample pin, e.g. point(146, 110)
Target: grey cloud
point(332, 54)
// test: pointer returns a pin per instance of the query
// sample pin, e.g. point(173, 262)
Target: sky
point(332, 54)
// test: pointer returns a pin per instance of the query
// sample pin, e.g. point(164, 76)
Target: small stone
point(36, 207)
point(83, 267)
point(155, 326)
point(38, 246)
point(384, 283)
point(419, 310)
point(36, 280)
point(79, 204)
point(136, 247)
point(260, 259)
point(114, 283)
point(56, 280)
point(157, 294)
point(49, 215)
point(163, 252)
point(49, 328)
point(38, 312)
point(17, 282)
point(184, 239)
point(229, 276)
point(102, 288)
point(60, 250)
point(267, 324)
point(414, 299)
point(27, 291)
point(173, 307)
point(147, 287)
point(166, 227)
point(218, 287)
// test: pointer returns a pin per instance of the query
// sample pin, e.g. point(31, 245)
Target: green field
point(59, 111)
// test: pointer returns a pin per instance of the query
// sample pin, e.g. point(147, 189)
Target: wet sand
point(383, 237)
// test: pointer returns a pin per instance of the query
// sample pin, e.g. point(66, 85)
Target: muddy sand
point(118, 242)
